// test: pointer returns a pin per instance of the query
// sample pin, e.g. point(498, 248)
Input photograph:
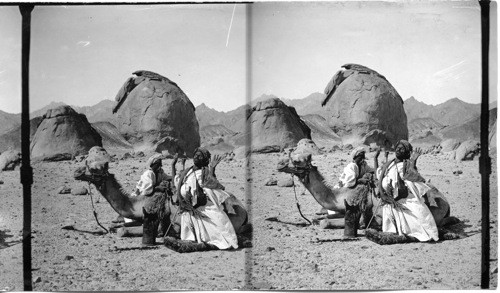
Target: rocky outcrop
point(274, 127)
point(467, 150)
point(210, 131)
point(153, 113)
point(12, 139)
point(9, 160)
point(111, 137)
point(321, 133)
point(62, 135)
point(449, 145)
point(364, 108)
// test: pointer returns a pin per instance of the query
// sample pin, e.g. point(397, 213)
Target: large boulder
point(274, 127)
point(9, 160)
point(62, 135)
point(467, 150)
point(450, 144)
point(365, 108)
point(153, 113)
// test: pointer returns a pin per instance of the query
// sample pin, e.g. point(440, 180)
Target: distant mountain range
point(425, 122)
point(451, 112)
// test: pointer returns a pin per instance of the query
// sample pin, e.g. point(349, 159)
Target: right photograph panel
point(365, 131)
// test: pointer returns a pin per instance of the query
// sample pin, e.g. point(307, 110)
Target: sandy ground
point(286, 254)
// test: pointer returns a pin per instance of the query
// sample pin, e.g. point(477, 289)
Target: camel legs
point(149, 228)
point(352, 217)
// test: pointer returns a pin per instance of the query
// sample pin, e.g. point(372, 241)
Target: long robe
point(417, 220)
point(215, 228)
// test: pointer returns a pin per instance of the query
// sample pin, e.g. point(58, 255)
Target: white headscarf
point(358, 151)
point(154, 159)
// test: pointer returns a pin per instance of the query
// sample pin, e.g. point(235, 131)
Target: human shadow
point(4, 239)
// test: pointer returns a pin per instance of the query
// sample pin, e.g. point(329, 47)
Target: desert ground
point(286, 254)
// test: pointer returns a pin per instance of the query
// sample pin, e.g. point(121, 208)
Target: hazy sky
point(429, 50)
point(81, 55)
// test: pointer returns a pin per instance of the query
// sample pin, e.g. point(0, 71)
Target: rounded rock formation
point(274, 127)
point(62, 135)
point(365, 107)
point(153, 113)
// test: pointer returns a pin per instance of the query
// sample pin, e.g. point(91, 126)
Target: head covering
point(403, 149)
point(154, 159)
point(201, 157)
point(358, 151)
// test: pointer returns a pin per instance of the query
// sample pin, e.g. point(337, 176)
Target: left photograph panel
point(11, 192)
point(136, 121)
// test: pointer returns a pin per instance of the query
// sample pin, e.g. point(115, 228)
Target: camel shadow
point(456, 232)
point(337, 240)
point(275, 219)
point(122, 249)
point(3, 239)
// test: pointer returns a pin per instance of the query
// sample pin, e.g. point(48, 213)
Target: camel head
point(96, 166)
point(94, 172)
point(298, 164)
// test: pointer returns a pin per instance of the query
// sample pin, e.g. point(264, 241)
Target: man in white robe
point(207, 222)
point(405, 211)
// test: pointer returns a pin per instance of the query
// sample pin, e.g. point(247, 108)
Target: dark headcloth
point(201, 157)
point(405, 149)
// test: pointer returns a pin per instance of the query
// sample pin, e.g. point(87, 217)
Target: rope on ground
point(297, 202)
point(376, 209)
point(93, 209)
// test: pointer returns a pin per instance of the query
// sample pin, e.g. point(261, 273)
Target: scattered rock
point(69, 257)
point(271, 182)
point(38, 279)
point(79, 190)
point(139, 154)
point(285, 182)
point(457, 172)
point(348, 147)
point(270, 248)
point(64, 190)
point(126, 155)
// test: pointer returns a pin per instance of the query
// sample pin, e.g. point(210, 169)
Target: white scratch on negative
point(230, 25)
point(450, 69)
point(83, 43)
